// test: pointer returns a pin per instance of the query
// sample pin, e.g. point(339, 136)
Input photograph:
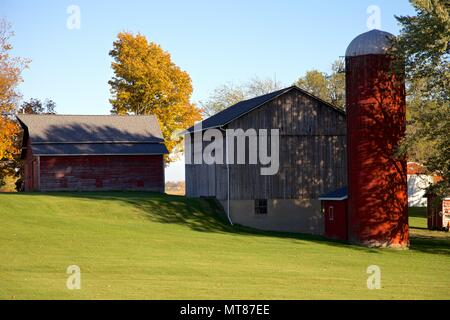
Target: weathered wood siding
point(102, 173)
point(201, 178)
point(30, 169)
point(312, 154)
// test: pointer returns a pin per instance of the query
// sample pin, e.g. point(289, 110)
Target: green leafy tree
point(226, 95)
point(36, 106)
point(328, 87)
point(222, 97)
point(146, 81)
point(315, 82)
point(336, 84)
point(423, 46)
point(260, 86)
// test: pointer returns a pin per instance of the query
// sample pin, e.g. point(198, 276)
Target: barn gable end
point(312, 161)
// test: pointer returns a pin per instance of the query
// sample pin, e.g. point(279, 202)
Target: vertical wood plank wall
point(118, 172)
point(312, 154)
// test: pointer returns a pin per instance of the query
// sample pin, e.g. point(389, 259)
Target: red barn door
point(335, 216)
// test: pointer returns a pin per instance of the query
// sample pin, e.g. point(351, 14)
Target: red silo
point(377, 185)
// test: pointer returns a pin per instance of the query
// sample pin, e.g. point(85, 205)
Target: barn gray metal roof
point(339, 194)
point(82, 128)
point(239, 109)
point(92, 134)
point(371, 42)
point(71, 149)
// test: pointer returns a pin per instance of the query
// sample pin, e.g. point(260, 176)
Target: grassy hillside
point(150, 246)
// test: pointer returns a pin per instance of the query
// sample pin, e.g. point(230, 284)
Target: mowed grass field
point(152, 246)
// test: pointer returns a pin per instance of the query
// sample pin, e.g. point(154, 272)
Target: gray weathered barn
point(312, 161)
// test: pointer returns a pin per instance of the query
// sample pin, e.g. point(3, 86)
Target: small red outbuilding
point(80, 153)
point(438, 213)
point(334, 208)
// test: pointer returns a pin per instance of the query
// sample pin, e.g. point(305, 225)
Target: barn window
point(261, 206)
point(331, 213)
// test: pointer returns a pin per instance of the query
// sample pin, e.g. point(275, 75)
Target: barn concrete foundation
point(285, 215)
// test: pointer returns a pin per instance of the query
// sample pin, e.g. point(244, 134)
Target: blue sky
point(214, 41)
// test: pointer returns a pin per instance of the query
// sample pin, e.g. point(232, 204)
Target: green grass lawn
point(150, 246)
point(417, 217)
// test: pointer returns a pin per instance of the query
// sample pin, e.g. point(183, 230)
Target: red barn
point(85, 153)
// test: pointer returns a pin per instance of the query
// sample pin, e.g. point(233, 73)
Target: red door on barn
point(334, 208)
point(335, 218)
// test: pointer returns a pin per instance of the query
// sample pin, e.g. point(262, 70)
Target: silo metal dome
point(371, 42)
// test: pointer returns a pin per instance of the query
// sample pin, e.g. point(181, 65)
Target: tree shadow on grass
point(430, 244)
point(206, 215)
point(417, 212)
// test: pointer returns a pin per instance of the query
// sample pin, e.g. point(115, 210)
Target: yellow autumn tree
point(10, 77)
point(146, 81)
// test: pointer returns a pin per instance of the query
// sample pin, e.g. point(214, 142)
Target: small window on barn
point(261, 206)
point(330, 213)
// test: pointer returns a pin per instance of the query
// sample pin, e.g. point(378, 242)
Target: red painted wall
point(335, 220)
point(377, 205)
point(434, 219)
point(102, 173)
point(437, 213)
point(30, 169)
